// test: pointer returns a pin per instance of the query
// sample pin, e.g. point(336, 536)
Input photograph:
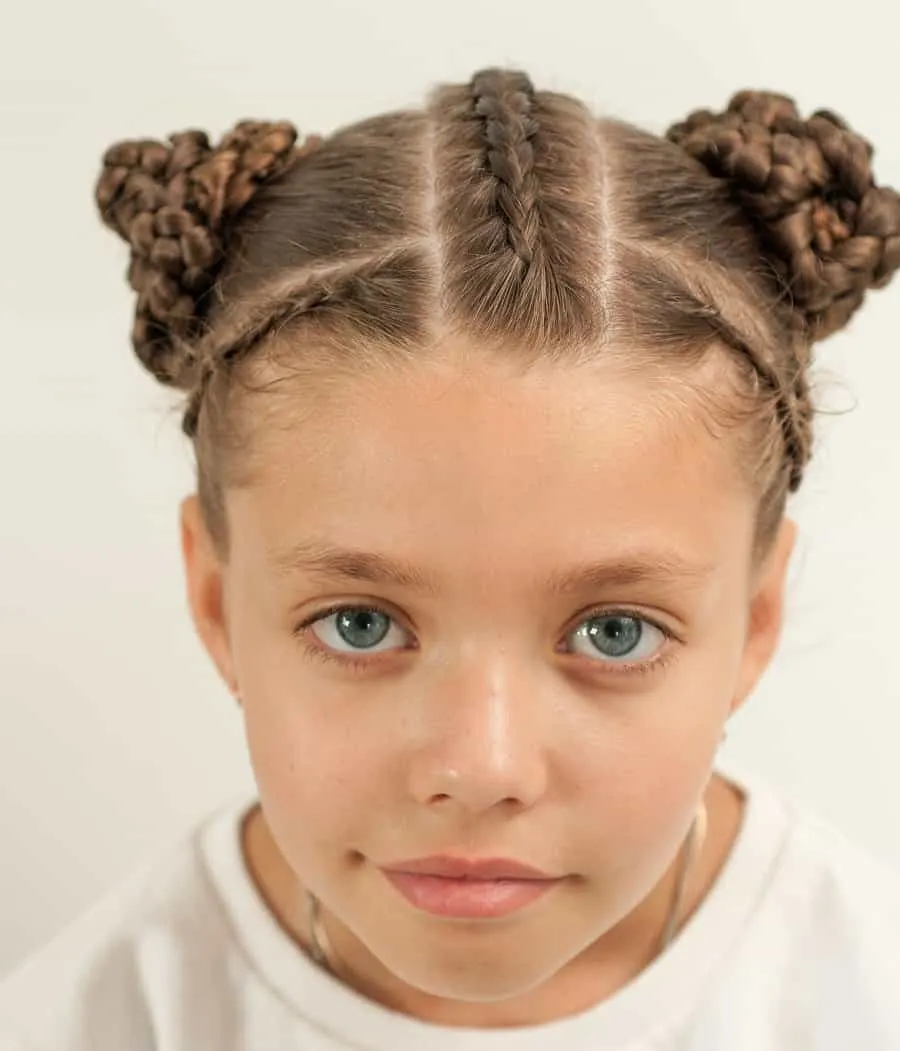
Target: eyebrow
point(325, 560)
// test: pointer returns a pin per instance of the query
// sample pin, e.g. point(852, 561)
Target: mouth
point(469, 889)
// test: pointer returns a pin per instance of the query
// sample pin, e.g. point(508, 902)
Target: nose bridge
point(479, 737)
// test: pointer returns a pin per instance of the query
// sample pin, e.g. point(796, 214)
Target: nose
point(478, 739)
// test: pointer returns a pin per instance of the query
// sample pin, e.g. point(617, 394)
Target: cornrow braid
point(172, 204)
point(504, 102)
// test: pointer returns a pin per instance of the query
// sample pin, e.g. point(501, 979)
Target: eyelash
point(361, 664)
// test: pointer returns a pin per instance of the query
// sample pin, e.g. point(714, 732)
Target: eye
point(620, 637)
point(360, 627)
point(624, 638)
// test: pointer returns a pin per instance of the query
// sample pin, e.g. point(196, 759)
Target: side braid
point(310, 292)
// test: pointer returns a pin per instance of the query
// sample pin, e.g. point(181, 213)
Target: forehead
point(480, 463)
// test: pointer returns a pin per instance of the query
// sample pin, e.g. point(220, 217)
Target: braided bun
point(830, 232)
point(172, 204)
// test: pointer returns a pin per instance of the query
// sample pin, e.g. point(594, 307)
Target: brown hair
point(518, 218)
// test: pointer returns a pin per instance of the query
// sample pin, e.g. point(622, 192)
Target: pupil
point(618, 635)
point(360, 623)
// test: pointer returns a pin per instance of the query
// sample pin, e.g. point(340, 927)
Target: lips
point(469, 888)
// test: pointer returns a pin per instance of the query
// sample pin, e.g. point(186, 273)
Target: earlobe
point(205, 583)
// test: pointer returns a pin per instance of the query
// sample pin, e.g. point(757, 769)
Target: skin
point(483, 724)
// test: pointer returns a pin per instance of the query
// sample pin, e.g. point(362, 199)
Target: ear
point(205, 577)
point(766, 612)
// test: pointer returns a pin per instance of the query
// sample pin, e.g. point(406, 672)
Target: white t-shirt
point(796, 948)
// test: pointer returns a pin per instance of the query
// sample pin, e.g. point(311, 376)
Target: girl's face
point(548, 683)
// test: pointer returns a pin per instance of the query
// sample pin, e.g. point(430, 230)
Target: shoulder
point(819, 869)
point(846, 883)
point(820, 953)
point(852, 920)
point(96, 983)
point(829, 885)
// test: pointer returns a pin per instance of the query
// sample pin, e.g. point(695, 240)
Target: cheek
point(641, 767)
point(633, 790)
point(634, 810)
point(314, 773)
point(293, 747)
point(299, 758)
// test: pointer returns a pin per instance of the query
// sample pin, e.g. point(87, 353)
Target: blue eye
point(612, 634)
point(362, 627)
point(618, 635)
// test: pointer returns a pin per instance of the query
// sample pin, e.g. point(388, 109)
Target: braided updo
point(807, 185)
point(173, 205)
point(521, 220)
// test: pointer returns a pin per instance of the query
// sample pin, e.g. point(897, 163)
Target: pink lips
point(469, 888)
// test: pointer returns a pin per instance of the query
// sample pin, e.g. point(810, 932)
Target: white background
point(115, 733)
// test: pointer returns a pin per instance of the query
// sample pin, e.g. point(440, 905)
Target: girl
point(496, 408)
